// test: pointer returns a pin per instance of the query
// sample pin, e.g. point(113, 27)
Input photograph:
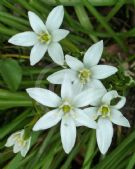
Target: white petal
point(109, 96)
point(36, 23)
point(77, 87)
point(118, 118)
point(66, 88)
point(48, 120)
point(44, 96)
point(91, 112)
point(57, 77)
point(103, 71)
point(59, 34)
point(17, 147)
point(74, 63)
point(24, 39)
point(12, 139)
point(94, 83)
point(68, 133)
point(26, 148)
point(56, 53)
point(120, 103)
point(84, 120)
point(55, 18)
point(37, 53)
point(93, 54)
point(90, 96)
point(104, 134)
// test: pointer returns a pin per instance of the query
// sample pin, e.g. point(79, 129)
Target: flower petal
point(48, 120)
point(36, 23)
point(11, 140)
point(44, 96)
point(57, 77)
point(121, 103)
point(93, 54)
point(77, 87)
point(104, 134)
point(109, 96)
point(24, 39)
point(84, 120)
point(55, 18)
point(91, 112)
point(26, 148)
point(56, 53)
point(66, 88)
point(103, 71)
point(17, 147)
point(37, 53)
point(118, 118)
point(68, 133)
point(74, 63)
point(91, 96)
point(94, 83)
point(59, 34)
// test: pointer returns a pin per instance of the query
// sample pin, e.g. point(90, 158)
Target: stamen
point(105, 111)
point(44, 38)
point(84, 75)
point(66, 108)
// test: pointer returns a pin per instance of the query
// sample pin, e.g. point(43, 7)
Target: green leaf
point(11, 73)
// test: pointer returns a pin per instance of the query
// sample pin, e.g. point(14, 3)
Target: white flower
point(20, 144)
point(105, 113)
point(67, 109)
point(88, 73)
point(45, 36)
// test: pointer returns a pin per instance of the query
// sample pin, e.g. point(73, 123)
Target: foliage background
point(88, 21)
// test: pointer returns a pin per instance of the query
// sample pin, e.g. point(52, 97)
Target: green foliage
point(11, 73)
point(88, 23)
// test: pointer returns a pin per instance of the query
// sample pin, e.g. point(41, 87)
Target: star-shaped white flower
point(45, 36)
point(86, 73)
point(20, 144)
point(107, 113)
point(67, 109)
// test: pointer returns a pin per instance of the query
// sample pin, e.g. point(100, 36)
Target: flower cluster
point(80, 87)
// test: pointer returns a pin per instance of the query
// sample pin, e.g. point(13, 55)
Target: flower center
point(104, 110)
point(66, 108)
point(45, 38)
point(19, 140)
point(84, 75)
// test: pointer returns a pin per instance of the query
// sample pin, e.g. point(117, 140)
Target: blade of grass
point(104, 24)
point(11, 126)
point(78, 2)
point(6, 104)
point(104, 163)
point(131, 163)
point(43, 146)
point(84, 20)
point(90, 151)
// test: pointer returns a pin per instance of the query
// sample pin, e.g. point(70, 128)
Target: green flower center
point(104, 110)
point(45, 38)
point(84, 75)
point(19, 140)
point(66, 108)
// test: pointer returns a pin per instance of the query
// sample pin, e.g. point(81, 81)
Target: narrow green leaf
point(11, 73)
